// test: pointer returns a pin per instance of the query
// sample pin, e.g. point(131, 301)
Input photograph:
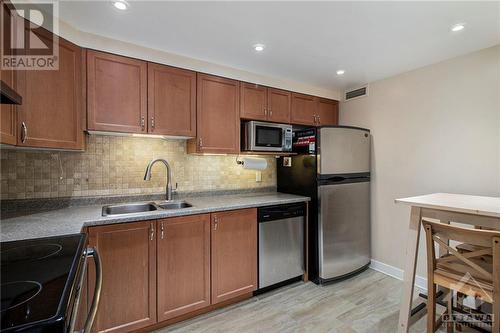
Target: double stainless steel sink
point(143, 207)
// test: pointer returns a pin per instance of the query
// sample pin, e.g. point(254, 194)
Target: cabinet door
point(128, 255)
point(234, 254)
point(303, 109)
point(7, 111)
point(171, 101)
point(218, 121)
point(328, 112)
point(278, 105)
point(51, 115)
point(183, 265)
point(253, 101)
point(116, 93)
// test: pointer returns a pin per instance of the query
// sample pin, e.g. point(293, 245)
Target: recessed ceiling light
point(121, 5)
point(340, 72)
point(259, 47)
point(458, 27)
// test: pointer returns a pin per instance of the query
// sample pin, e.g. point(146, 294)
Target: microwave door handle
point(97, 290)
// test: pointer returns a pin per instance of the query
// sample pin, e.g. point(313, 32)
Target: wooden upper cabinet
point(218, 121)
point(303, 109)
point(116, 93)
point(171, 101)
point(267, 104)
point(278, 105)
point(183, 265)
point(328, 113)
point(253, 101)
point(128, 255)
point(234, 254)
point(8, 116)
point(53, 107)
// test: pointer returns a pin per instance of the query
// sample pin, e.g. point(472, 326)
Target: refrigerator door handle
point(336, 179)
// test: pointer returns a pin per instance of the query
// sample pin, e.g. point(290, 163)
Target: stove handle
point(97, 290)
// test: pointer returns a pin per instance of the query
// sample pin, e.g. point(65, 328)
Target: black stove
point(38, 280)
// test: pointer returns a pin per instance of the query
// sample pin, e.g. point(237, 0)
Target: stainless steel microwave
point(261, 136)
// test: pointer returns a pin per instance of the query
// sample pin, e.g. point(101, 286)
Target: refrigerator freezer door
point(343, 151)
point(344, 228)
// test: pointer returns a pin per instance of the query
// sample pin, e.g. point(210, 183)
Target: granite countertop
point(71, 220)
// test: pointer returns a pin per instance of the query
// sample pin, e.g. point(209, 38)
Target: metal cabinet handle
point(162, 230)
point(316, 119)
point(152, 232)
point(270, 112)
point(265, 112)
point(216, 223)
point(24, 132)
point(200, 142)
point(152, 122)
point(97, 290)
point(143, 123)
point(319, 120)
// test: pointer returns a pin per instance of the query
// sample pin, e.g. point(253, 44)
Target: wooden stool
point(464, 272)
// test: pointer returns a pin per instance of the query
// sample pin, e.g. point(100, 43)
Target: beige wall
point(114, 165)
point(435, 129)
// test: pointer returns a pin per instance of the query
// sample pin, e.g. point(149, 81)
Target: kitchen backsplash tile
point(113, 165)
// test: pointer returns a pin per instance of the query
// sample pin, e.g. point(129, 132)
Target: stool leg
point(496, 285)
point(450, 325)
point(431, 307)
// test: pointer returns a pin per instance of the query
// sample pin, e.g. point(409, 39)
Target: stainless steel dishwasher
point(281, 243)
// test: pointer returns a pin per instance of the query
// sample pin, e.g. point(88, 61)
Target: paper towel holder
point(251, 163)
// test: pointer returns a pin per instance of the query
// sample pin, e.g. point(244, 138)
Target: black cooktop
point(36, 280)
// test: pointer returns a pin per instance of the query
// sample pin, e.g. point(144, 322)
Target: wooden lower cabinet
point(234, 253)
point(128, 255)
point(183, 257)
point(162, 271)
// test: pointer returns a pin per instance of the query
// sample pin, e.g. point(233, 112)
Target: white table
point(467, 209)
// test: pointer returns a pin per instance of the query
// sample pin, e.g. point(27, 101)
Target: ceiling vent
point(356, 93)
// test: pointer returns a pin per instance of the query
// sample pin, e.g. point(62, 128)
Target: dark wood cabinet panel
point(278, 105)
point(183, 265)
point(171, 101)
point(234, 253)
point(8, 116)
point(116, 93)
point(303, 109)
point(128, 255)
point(253, 101)
point(53, 101)
point(328, 113)
point(218, 121)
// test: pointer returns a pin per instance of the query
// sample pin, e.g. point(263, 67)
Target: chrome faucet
point(147, 176)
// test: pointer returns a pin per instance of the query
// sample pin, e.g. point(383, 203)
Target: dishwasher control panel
point(279, 212)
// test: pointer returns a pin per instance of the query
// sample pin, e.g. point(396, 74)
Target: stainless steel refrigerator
point(332, 166)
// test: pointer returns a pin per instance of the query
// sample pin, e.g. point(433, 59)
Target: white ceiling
point(305, 41)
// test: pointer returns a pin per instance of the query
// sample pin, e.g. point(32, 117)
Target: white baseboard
point(397, 273)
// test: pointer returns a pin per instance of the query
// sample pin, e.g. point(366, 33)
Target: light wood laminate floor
point(368, 302)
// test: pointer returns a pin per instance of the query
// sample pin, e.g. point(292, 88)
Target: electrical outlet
point(258, 176)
